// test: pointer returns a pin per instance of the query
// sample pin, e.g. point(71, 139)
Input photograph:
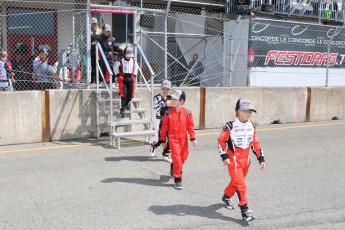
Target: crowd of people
point(35, 74)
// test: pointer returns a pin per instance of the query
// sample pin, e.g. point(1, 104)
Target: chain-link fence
point(189, 46)
point(56, 29)
point(194, 46)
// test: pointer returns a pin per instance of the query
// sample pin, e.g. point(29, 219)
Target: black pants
point(93, 68)
point(126, 87)
point(193, 81)
point(166, 151)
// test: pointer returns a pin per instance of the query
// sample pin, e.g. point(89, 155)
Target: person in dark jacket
point(95, 33)
point(108, 45)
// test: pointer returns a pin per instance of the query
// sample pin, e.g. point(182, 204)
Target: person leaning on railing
point(43, 72)
point(108, 45)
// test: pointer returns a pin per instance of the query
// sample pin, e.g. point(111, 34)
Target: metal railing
point(318, 9)
point(109, 88)
point(152, 77)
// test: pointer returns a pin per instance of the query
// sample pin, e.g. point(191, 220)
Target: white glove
point(55, 67)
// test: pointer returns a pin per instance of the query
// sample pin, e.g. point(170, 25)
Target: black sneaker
point(152, 151)
point(122, 112)
point(247, 215)
point(178, 185)
point(228, 202)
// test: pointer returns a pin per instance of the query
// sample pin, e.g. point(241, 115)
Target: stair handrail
point(152, 77)
point(99, 50)
point(143, 77)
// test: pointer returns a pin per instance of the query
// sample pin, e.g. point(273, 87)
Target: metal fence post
point(88, 43)
point(166, 41)
point(328, 52)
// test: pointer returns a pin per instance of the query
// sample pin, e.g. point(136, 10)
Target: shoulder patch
point(157, 96)
point(228, 126)
point(188, 111)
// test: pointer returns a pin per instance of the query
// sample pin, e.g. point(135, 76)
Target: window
point(30, 22)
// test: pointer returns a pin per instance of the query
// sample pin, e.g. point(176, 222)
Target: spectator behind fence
point(43, 72)
point(197, 69)
point(108, 45)
point(95, 34)
point(6, 73)
point(18, 66)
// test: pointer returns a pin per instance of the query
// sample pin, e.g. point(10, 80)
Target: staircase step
point(103, 89)
point(134, 133)
point(134, 100)
point(123, 122)
point(117, 111)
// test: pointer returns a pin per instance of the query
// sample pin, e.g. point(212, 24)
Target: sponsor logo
point(239, 130)
point(295, 30)
point(301, 58)
point(251, 56)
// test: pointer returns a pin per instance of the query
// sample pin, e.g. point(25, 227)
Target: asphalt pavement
point(88, 185)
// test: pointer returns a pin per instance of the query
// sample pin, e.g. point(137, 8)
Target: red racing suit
point(175, 125)
point(235, 142)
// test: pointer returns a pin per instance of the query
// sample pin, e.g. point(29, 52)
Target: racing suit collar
point(238, 120)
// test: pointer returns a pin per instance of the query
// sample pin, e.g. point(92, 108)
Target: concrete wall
point(20, 117)
point(327, 103)
point(284, 104)
point(72, 113)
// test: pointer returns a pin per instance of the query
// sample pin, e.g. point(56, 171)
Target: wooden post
point(45, 116)
point(307, 113)
point(202, 124)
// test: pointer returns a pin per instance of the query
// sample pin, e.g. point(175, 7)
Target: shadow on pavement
point(133, 158)
point(151, 182)
point(189, 210)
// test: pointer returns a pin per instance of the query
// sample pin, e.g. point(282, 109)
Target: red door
point(32, 27)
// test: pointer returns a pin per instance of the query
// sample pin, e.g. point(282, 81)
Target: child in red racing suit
point(234, 144)
point(177, 121)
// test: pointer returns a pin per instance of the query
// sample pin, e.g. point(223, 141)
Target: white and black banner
point(287, 44)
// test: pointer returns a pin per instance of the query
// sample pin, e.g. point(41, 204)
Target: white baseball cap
point(107, 28)
point(94, 20)
point(166, 84)
point(244, 104)
point(178, 95)
point(129, 52)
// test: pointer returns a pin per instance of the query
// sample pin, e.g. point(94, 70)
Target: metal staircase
point(136, 123)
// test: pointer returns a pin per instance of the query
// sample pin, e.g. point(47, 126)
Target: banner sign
point(286, 44)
